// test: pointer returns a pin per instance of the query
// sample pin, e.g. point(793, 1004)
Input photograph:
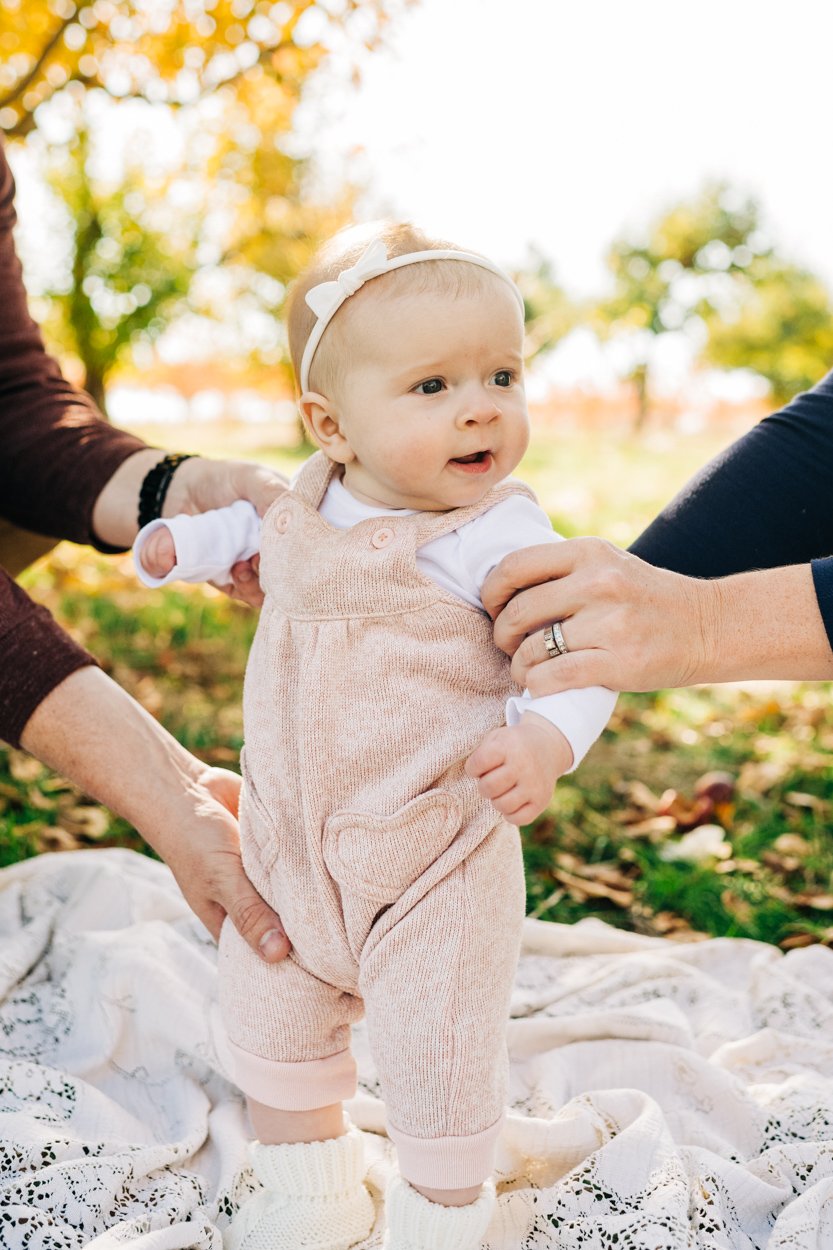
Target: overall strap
point(313, 478)
point(431, 525)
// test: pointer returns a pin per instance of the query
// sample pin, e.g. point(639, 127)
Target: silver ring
point(554, 641)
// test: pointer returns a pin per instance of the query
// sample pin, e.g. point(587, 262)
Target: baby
point(388, 757)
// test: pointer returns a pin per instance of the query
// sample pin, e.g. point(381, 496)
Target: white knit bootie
point(313, 1198)
point(414, 1223)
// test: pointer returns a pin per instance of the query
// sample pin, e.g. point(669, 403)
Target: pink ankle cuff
point(295, 1086)
point(447, 1162)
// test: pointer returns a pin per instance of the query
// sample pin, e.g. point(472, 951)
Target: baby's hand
point(517, 766)
point(158, 554)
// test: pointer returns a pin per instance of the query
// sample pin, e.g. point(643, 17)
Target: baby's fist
point(517, 767)
point(158, 554)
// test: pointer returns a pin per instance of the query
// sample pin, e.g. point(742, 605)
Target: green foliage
point(125, 277)
point(236, 204)
point(549, 313)
point(677, 270)
point(778, 322)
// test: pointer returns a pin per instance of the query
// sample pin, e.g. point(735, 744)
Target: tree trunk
point(639, 377)
point(94, 386)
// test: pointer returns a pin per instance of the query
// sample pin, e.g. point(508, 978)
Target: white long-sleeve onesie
point(208, 545)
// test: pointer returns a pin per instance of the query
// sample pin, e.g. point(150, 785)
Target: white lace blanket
point(664, 1096)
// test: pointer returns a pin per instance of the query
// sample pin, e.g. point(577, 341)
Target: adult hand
point(209, 868)
point(197, 486)
point(91, 731)
point(200, 485)
point(628, 625)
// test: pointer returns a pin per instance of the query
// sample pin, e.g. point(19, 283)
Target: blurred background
point(654, 176)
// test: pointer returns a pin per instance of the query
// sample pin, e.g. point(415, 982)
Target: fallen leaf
point(24, 767)
point(89, 822)
point(792, 844)
point(818, 902)
point(797, 940)
point(580, 889)
point(738, 908)
point(549, 901)
point(687, 814)
point(717, 786)
point(703, 843)
point(657, 827)
point(54, 838)
point(796, 799)
point(746, 867)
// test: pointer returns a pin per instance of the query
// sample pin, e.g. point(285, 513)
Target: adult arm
point(66, 473)
point(89, 729)
point(762, 505)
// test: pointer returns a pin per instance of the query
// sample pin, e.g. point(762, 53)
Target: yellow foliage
point(166, 51)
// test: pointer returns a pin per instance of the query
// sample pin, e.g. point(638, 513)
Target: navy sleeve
point(765, 501)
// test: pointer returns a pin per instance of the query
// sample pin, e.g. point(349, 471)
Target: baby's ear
point(322, 424)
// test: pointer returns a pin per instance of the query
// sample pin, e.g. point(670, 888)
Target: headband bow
point(326, 298)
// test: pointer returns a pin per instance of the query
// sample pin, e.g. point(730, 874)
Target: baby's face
point(433, 409)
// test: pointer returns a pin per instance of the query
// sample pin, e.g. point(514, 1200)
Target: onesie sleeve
point(517, 522)
point(206, 545)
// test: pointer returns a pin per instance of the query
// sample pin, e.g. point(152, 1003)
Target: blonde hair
point(342, 251)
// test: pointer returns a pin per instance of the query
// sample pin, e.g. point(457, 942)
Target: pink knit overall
point(400, 888)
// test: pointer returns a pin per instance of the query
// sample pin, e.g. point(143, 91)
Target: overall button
point(282, 522)
point(382, 537)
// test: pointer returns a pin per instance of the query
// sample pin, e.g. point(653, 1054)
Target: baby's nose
point(479, 409)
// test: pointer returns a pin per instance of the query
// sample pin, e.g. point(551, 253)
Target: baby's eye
point(431, 386)
point(503, 377)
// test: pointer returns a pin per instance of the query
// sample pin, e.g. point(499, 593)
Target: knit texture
point(414, 1223)
point(313, 1198)
point(367, 688)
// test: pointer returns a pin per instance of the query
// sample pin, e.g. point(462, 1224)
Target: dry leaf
point(797, 940)
point(89, 822)
point(818, 902)
point(687, 814)
point(746, 867)
point(657, 827)
point(580, 889)
point(54, 838)
point(549, 901)
point(796, 799)
point(792, 844)
point(737, 907)
point(717, 786)
point(24, 767)
point(40, 802)
point(705, 842)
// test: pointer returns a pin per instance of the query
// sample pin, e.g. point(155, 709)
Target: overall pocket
point(374, 859)
point(258, 836)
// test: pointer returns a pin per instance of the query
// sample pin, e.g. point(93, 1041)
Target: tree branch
point(21, 85)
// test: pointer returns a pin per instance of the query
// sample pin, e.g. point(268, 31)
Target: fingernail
point(245, 575)
point(272, 943)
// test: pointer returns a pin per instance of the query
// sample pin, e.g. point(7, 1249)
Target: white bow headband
point(326, 298)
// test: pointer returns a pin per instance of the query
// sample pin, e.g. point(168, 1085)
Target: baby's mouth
point(476, 462)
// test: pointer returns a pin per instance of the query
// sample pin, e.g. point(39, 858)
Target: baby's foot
point(414, 1223)
point(313, 1198)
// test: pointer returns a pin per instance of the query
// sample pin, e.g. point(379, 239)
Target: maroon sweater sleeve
point(35, 657)
point(56, 454)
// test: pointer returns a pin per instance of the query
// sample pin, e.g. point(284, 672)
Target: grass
point(601, 848)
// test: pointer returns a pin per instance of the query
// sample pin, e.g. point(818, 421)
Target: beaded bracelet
point(155, 486)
